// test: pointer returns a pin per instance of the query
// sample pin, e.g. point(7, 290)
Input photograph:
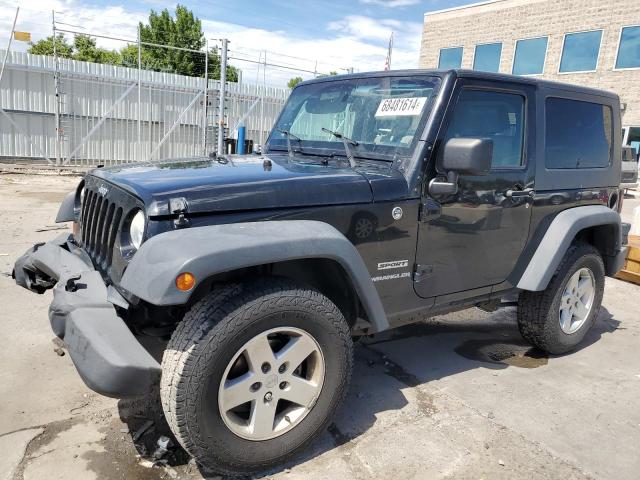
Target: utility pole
point(222, 92)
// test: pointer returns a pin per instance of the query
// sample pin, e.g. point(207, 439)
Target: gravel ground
point(458, 396)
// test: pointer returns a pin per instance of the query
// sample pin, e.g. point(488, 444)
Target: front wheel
point(557, 319)
point(252, 376)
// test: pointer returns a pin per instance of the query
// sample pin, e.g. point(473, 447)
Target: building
point(594, 43)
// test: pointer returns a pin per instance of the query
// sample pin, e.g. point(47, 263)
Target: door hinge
point(420, 272)
point(429, 210)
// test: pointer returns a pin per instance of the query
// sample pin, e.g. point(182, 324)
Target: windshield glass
point(383, 115)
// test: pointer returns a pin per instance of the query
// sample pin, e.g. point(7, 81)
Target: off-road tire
point(203, 344)
point(538, 312)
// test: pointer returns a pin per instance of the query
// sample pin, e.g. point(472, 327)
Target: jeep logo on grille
point(103, 190)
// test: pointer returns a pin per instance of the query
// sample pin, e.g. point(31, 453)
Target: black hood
point(241, 182)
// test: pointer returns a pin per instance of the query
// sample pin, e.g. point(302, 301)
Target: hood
point(240, 182)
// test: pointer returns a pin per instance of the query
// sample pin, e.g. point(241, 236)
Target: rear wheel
point(557, 318)
point(252, 377)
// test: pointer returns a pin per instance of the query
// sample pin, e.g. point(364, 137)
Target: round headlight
point(136, 229)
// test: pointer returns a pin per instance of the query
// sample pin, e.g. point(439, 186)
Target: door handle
point(527, 192)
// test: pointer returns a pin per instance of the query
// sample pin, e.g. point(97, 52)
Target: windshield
point(382, 116)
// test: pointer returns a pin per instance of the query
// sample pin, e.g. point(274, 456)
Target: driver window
point(496, 116)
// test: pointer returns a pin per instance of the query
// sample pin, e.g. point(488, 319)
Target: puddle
point(492, 351)
point(392, 369)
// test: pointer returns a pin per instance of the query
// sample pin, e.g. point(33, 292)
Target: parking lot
point(458, 396)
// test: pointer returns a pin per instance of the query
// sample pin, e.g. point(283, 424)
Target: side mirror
point(462, 156)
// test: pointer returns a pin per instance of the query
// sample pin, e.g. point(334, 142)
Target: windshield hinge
point(429, 209)
point(420, 272)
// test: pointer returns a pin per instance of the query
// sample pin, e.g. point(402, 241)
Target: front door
point(473, 239)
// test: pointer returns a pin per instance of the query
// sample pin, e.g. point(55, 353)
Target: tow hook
point(72, 286)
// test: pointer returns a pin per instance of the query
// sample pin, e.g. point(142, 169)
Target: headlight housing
point(136, 229)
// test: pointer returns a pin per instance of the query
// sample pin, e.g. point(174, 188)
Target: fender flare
point(206, 251)
point(559, 236)
point(66, 212)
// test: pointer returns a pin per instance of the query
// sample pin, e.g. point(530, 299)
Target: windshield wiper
point(347, 145)
point(289, 136)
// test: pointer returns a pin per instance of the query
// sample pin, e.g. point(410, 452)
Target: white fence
point(105, 117)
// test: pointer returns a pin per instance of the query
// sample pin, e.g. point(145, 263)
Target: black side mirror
point(462, 156)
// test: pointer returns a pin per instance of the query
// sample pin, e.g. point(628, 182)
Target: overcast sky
point(337, 35)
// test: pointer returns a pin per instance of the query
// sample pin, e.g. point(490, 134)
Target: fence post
point(264, 91)
point(139, 146)
point(6, 53)
point(56, 82)
point(223, 81)
point(205, 99)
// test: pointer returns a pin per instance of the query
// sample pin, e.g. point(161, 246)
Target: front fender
point(206, 251)
point(67, 212)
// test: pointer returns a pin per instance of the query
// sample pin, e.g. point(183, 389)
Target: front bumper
point(106, 354)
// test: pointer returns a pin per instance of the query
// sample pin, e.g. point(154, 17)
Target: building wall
point(509, 20)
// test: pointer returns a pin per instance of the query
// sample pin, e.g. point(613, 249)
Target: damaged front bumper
point(106, 354)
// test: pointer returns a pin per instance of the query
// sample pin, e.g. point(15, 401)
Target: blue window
point(450, 58)
point(487, 57)
point(497, 116)
point(629, 48)
point(580, 51)
point(530, 56)
point(578, 134)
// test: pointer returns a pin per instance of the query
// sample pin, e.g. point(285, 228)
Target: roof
point(462, 73)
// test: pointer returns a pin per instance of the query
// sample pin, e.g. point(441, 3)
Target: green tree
point(182, 30)
point(330, 74)
point(294, 81)
point(85, 49)
point(45, 47)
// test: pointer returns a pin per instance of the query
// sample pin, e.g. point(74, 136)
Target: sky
point(313, 35)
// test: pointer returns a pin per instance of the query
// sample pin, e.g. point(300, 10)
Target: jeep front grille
point(100, 221)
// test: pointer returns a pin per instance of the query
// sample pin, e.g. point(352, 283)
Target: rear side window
point(578, 134)
point(496, 116)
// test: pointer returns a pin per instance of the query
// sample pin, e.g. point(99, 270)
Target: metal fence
point(70, 112)
point(106, 114)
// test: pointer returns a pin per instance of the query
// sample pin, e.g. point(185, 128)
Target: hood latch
point(179, 206)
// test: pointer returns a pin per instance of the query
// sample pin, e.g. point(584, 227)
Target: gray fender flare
point(66, 212)
point(557, 239)
point(205, 251)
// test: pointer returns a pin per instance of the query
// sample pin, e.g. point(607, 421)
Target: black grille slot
point(99, 224)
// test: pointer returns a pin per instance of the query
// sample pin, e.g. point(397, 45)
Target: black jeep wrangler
point(379, 200)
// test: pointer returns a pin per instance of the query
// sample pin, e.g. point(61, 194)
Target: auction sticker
point(396, 107)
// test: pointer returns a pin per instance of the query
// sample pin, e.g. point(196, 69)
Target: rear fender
point(564, 228)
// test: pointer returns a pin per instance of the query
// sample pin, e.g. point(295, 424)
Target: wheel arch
point(325, 275)
point(311, 252)
point(594, 224)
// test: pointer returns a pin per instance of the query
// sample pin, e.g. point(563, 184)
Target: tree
point(85, 50)
point(330, 74)
point(45, 47)
point(184, 31)
point(294, 81)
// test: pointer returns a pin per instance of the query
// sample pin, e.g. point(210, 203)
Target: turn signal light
point(185, 281)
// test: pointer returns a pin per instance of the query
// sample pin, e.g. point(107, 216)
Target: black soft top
point(462, 73)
